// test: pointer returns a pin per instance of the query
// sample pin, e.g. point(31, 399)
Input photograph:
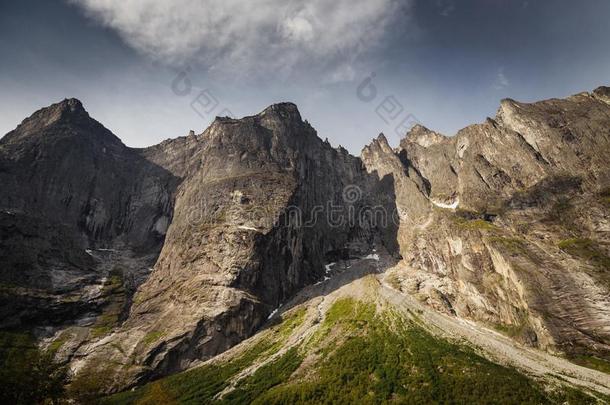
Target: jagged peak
point(423, 136)
point(70, 104)
point(282, 106)
point(382, 139)
point(378, 143)
point(47, 116)
point(70, 112)
point(283, 110)
point(602, 90)
point(602, 93)
point(418, 128)
point(63, 109)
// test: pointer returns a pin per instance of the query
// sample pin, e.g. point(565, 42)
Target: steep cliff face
point(515, 234)
point(72, 193)
point(59, 163)
point(263, 206)
point(138, 263)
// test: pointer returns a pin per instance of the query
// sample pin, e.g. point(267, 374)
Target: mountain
point(276, 260)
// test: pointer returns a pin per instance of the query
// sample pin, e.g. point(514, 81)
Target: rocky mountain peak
point(67, 118)
point(602, 93)
point(424, 137)
point(71, 104)
point(284, 115)
point(65, 109)
point(284, 109)
point(378, 145)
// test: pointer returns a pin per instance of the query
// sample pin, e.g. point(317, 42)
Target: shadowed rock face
point(506, 224)
point(70, 186)
point(247, 213)
point(249, 229)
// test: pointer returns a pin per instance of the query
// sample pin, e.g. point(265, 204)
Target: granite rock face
point(144, 262)
point(249, 229)
point(69, 188)
point(516, 232)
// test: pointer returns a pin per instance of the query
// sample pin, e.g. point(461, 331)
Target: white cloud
point(501, 80)
point(248, 35)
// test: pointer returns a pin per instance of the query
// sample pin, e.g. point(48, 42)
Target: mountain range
point(256, 263)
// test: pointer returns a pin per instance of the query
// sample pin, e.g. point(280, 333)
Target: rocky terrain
point(133, 264)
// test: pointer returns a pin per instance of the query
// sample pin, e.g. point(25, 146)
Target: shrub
point(27, 374)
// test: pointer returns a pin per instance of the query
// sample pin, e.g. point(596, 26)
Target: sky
point(152, 69)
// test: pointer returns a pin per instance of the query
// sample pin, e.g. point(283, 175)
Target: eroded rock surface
point(516, 235)
point(158, 258)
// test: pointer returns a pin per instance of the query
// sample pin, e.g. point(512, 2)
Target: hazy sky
point(154, 69)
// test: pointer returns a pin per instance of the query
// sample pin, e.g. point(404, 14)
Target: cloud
point(447, 7)
point(248, 35)
point(501, 81)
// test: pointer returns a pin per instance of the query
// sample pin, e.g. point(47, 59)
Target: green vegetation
point(27, 374)
point(392, 360)
point(514, 330)
point(591, 362)
point(360, 355)
point(201, 384)
point(264, 378)
point(58, 343)
point(513, 245)
point(152, 337)
point(473, 221)
point(349, 314)
point(86, 388)
point(115, 291)
point(104, 324)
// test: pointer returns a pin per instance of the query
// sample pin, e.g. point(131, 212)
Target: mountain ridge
point(186, 247)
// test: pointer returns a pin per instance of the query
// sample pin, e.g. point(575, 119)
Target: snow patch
point(328, 267)
point(373, 256)
point(272, 314)
point(451, 206)
point(248, 228)
point(89, 252)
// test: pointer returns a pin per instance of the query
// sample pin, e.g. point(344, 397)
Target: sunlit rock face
point(517, 228)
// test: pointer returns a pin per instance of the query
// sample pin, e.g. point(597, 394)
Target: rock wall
point(166, 256)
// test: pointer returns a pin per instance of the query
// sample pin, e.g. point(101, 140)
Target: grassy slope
point(356, 355)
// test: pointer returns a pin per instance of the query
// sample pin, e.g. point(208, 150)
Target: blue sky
point(444, 63)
